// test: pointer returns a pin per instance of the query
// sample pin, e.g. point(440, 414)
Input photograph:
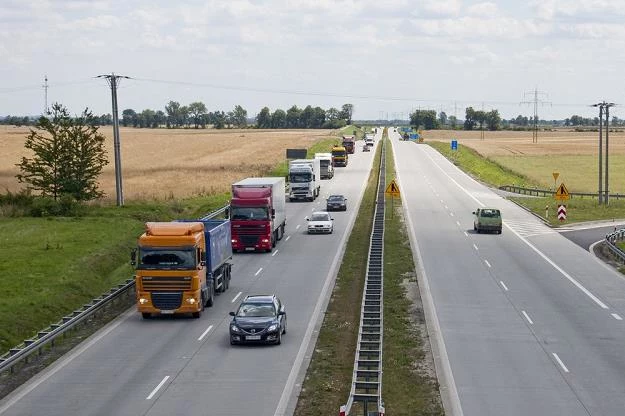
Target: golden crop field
point(162, 163)
point(574, 155)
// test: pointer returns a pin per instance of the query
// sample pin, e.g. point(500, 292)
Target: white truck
point(304, 179)
point(325, 162)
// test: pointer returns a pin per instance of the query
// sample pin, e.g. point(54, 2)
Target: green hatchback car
point(487, 219)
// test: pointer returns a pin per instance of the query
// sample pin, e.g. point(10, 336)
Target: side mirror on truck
point(273, 213)
point(202, 258)
point(227, 212)
point(133, 257)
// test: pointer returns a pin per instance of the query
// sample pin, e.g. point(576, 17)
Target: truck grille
point(249, 240)
point(167, 300)
point(155, 283)
point(250, 230)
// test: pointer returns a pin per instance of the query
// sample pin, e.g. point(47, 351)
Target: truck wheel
point(146, 315)
point(211, 297)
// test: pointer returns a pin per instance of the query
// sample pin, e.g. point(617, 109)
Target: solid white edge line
point(617, 317)
point(163, 381)
point(205, 332)
point(566, 370)
point(503, 285)
point(448, 389)
point(527, 317)
point(236, 297)
point(558, 268)
point(487, 263)
point(258, 271)
point(451, 214)
point(25, 389)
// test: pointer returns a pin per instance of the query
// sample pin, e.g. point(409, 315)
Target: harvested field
point(161, 163)
point(574, 155)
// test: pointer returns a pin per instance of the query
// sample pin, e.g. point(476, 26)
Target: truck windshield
point(249, 213)
point(338, 153)
point(299, 177)
point(167, 258)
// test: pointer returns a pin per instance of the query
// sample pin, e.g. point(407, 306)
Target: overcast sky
point(387, 57)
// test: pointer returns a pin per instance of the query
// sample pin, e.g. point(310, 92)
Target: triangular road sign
point(562, 193)
point(392, 189)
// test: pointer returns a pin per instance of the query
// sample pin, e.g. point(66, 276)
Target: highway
point(522, 323)
point(179, 365)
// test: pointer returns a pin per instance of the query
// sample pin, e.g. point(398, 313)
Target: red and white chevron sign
point(562, 212)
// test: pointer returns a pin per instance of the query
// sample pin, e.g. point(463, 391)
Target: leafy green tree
point(278, 119)
point(425, 118)
point(306, 117)
point(469, 119)
point(293, 117)
point(493, 120)
point(128, 117)
point(68, 156)
point(197, 110)
point(173, 114)
point(263, 119)
point(453, 121)
point(318, 117)
point(147, 118)
point(347, 112)
point(442, 118)
point(239, 117)
point(333, 114)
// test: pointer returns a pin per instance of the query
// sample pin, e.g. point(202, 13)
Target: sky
point(386, 57)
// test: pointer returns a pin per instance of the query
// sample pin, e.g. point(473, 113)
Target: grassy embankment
point(495, 174)
point(52, 266)
point(407, 387)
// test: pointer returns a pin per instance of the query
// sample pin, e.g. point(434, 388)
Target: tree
point(278, 119)
point(442, 118)
point(293, 116)
point(306, 117)
point(128, 117)
point(493, 120)
point(197, 110)
point(425, 118)
point(469, 119)
point(318, 118)
point(173, 114)
point(239, 117)
point(347, 112)
point(68, 156)
point(453, 121)
point(263, 119)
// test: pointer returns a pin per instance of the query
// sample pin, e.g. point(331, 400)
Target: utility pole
point(536, 101)
point(603, 192)
point(45, 88)
point(113, 81)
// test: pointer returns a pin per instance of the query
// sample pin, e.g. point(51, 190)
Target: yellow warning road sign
point(392, 189)
point(562, 194)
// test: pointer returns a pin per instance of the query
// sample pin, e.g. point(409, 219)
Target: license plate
point(253, 337)
point(249, 249)
point(167, 312)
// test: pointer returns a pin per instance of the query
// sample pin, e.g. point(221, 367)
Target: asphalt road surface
point(522, 323)
point(172, 366)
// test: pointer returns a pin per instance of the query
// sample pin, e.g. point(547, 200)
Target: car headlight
point(272, 327)
point(234, 328)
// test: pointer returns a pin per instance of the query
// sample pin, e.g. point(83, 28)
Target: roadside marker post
point(562, 212)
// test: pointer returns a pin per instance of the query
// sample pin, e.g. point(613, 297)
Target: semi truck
point(304, 179)
point(180, 265)
point(339, 156)
point(257, 213)
point(349, 143)
point(325, 165)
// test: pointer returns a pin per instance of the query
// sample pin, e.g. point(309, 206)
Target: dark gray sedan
point(336, 203)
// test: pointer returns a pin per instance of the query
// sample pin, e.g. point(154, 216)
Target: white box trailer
point(325, 165)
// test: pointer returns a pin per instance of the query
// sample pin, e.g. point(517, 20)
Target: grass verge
point(494, 174)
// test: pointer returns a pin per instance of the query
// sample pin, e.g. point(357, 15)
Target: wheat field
point(166, 163)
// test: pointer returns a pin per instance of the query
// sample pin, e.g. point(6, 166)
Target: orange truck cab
point(181, 265)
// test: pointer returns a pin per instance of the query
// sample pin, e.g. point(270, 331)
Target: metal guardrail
point(47, 336)
point(548, 192)
point(367, 376)
point(611, 240)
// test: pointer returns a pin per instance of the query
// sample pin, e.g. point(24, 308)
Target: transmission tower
point(536, 101)
point(113, 81)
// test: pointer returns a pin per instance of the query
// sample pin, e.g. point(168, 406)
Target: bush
point(65, 206)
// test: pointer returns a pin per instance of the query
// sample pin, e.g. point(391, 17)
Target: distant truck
point(325, 164)
point(349, 143)
point(304, 179)
point(257, 213)
point(339, 156)
point(181, 265)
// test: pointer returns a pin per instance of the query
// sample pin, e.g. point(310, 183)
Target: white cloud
point(442, 7)
point(486, 9)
